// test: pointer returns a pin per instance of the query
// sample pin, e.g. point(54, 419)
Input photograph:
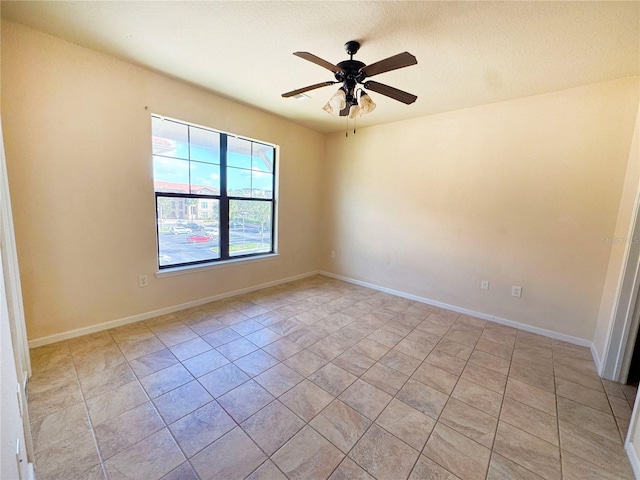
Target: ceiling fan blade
point(318, 61)
point(400, 60)
point(345, 111)
point(306, 89)
point(390, 92)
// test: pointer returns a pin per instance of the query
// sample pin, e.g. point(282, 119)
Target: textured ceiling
point(469, 53)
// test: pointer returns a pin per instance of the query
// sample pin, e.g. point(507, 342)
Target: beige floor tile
point(165, 380)
point(183, 400)
point(305, 362)
point(204, 363)
point(121, 399)
point(245, 400)
point(237, 349)
point(201, 428)
point(532, 396)
point(283, 348)
point(533, 339)
point(174, 333)
point(528, 451)
point(350, 470)
point(502, 468)
point(256, 362)
point(246, 327)
point(184, 471)
point(329, 348)
point(232, 456)
point(370, 348)
point(307, 336)
point(575, 468)
point(48, 356)
point(263, 337)
point(406, 423)
point(365, 398)
point(94, 361)
point(386, 338)
point(223, 380)
point(354, 362)
point(414, 349)
point(485, 377)
point(576, 375)
point(50, 401)
point(479, 397)
point(593, 448)
point(469, 421)
point(456, 453)
point(279, 379)
point(426, 468)
point(120, 432)
point(189, 349)
point(455, 349)
point(80, 346)
point(332, 379)
point(133, 350)
point(464, 336)
point(532, 376)
point(341, 425)
point(306, 399)
point(67, 458)
point(106, 380)
point(423, 398)
point(267, 471)
point(491, 362)
point(150, 458)
point(383, 456)
point(588, 418)
point(498, 349)
point(539, 363)
point(401, 362)
point(446, 362)
point(307, 456)
point(221, 336)
point(621, 408)
point(272, 426)
point(531, 420)
point(584, 395)
point(385, 378)
point(500, 336)
point(435, 377)
point(153, 362)
point(59, 426)
point(423, 337)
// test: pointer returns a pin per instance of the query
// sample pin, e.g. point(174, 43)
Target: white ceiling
point(469, 53)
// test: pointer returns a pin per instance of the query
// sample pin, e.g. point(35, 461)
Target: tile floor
point(322, 379)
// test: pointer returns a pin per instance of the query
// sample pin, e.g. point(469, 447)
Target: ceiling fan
point(349, 100)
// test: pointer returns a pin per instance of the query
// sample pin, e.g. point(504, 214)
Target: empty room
point(319, 240)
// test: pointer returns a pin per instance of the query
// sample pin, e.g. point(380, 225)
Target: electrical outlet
point(333, 254)
point(484, 285)
point(143, 281)
point(516, 291)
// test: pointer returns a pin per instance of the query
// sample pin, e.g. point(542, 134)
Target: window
point(214, 194)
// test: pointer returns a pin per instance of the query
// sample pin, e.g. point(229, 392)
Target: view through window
point(214, 194)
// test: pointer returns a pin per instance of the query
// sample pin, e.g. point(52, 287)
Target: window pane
point(187, 232)
point(239, 182)
point(249, 227)
point(170, 175)
point(169, 138)
point(205, 178)
point(238, 153)
point(205, 145)
point(261, 185)
point(262, 157)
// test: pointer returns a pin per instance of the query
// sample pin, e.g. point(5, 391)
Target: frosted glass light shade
point(366, 104)
point(336, 103)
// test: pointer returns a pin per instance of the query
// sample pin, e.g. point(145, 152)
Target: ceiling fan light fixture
point(336, 103)
point(367, 105)
point(354, 111)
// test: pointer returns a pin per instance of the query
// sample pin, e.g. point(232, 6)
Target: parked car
point(194, 227)
point(178, 230)
point(199, 238)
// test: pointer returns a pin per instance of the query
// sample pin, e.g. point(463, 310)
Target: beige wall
point(519, 193)
point(78, 146)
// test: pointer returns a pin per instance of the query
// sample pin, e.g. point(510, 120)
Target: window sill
point(172, 272)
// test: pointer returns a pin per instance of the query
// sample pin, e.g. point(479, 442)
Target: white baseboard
point(58, 337)
point(596, 359)
point(633, 458)
point(503, 321)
